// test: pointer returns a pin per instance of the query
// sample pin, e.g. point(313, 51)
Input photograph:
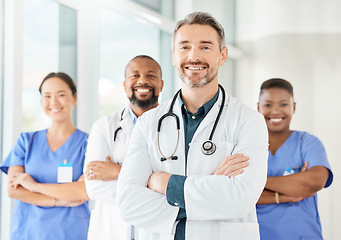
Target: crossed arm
point(23, 187)
point(294, 187)
point(100, 170)
point(231, 166)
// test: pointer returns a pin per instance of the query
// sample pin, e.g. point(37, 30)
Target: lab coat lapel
point(127, 124)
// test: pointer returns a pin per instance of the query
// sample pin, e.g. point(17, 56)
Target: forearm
point(26, 196)
point(267, 197)
point(299, 184)
point(74, 191)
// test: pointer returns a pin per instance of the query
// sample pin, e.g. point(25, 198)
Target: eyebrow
point(202, 42)
point(60, 91)
point(149, 71)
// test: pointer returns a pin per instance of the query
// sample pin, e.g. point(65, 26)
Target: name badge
point(64, 172)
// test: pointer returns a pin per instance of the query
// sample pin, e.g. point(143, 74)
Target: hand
point(158, 182)
point(99, 170)
point(63, 203)
point(305, 166)
point(25, 180)
point(286, 198)
point(233, 165)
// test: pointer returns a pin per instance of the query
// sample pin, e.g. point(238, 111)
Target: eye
point(151, 76)
point(206, 48)
point(47, 96)
point(284, 105)
point(267, 105)
point(184, 48)
point(134, 76)
point(61, 95)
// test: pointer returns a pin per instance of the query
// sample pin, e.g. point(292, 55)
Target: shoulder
point(109, 119)
point(242, 112)
point(32, 136)
point(81, 134)
point(306, 137)
point(156, 112)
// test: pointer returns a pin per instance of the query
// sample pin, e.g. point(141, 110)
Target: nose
point(193, 55)
point(143, 79)
point(53, 100)
point(274, 110)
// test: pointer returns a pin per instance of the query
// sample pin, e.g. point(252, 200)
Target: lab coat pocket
point(239, 231)
point(201, 164)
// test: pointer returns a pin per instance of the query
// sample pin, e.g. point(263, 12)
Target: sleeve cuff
point(175, 191)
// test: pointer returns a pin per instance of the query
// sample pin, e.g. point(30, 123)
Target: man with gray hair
point(197, 164)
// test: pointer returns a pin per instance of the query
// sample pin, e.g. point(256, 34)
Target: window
point(49, 46)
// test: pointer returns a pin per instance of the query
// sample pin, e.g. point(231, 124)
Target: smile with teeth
point(54, 110)
point(276, 120)
point(142, 89)
point(195, 68)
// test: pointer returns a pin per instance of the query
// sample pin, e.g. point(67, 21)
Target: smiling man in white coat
point(174, 182)
point(107, 147)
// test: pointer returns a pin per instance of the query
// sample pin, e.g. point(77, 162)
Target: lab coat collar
point(127, 123)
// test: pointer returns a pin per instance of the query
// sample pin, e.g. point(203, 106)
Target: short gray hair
point(202, 18)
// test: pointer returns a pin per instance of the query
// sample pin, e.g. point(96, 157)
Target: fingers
point(108, 158)
point(305, 166)
point(233, 165)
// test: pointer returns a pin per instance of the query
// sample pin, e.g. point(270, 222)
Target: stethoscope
point(119, 128)
point(207, 148)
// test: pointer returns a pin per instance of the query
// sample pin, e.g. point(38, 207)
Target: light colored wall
point(298, 41)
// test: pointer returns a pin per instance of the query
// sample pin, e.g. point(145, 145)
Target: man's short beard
point(144, 104)
point(202, 83)
point(185, 78)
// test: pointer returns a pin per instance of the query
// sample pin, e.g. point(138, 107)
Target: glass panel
point(44, 52)
point(152, 4)
point(122, 38)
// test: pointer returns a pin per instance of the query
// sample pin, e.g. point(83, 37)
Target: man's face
point(197, 55)
point(143, 82)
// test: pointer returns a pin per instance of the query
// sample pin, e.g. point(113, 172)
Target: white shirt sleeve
point(139, 205)
point(97, 150)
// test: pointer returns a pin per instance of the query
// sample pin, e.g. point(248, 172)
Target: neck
point(62, 128)
point(194, 98)
point(139, 111)
point(279, 136)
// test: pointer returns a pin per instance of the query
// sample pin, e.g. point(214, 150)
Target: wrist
point(53, 202)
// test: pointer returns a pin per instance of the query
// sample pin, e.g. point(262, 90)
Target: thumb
point(108, 159)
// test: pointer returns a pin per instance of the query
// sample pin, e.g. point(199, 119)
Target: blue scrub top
point(299, 220)
point(48, 223)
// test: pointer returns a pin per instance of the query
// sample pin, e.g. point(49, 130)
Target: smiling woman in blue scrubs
point(45, 171)
point(297, 168)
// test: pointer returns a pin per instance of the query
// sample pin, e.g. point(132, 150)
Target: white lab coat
point(105, 222)
point(217, 207)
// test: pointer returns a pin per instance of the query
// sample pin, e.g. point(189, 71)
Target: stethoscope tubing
point(170, 113)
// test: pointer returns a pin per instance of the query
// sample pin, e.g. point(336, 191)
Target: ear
point(294, 108)
point(125, 86)
point(74, 96)
point(223, 56)
point(161, 87)
point(173, 57)
point(258, 106)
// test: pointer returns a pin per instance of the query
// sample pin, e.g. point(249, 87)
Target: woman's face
point(57, 99)
point(277, 107)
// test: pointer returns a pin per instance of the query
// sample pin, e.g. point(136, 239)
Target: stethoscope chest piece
point(208, 147)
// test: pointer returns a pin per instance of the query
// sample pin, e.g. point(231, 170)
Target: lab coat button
point(193, 117)
point(176, 204)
